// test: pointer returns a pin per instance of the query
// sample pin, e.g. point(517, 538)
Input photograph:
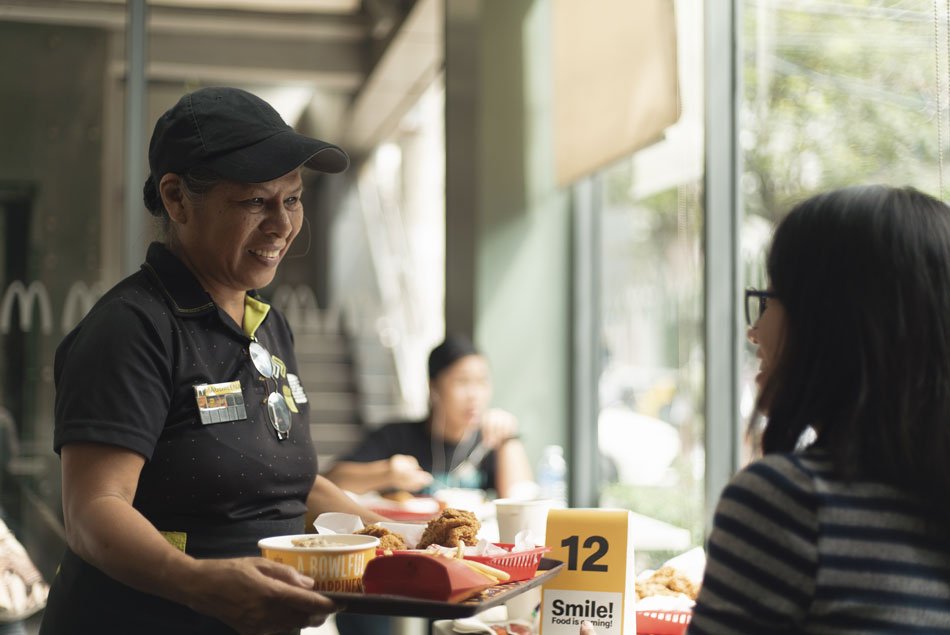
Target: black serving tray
point(403, 606)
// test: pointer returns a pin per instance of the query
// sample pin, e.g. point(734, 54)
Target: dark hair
point(195, 184)
point(863, 274)
point(454, 348)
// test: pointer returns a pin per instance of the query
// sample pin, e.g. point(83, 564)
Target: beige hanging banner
point(615, 80)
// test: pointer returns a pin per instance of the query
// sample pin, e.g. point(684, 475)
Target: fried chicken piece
point(392, 542)
point(667, 581)
point(452, 527)
point(387, 539)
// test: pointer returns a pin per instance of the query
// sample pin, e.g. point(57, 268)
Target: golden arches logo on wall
point(32, 302)
point(25, 298)
point(79, 301)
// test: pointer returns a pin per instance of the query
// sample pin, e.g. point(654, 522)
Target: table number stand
point(597, 581)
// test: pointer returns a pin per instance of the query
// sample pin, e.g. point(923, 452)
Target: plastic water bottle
point(552, 475)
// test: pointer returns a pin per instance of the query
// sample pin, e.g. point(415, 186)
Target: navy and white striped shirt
point(796, 550)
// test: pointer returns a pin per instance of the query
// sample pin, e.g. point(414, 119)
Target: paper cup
point(514, 516)
point(335, 565)
point(517, 515)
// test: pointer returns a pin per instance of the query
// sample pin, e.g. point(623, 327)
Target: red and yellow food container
point(336, 562)
point(424, 576)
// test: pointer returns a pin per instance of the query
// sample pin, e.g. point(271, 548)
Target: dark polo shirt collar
point(185, 295)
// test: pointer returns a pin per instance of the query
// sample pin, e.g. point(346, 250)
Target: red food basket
point(663, 622)
point(520, 565)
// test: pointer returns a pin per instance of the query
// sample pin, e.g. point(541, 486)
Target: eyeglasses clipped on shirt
point(756, 301)
point(277, 409)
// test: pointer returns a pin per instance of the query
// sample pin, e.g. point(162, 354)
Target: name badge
point(219, 403)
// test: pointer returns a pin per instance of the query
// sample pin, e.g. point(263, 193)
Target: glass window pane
point(650, 426)
point(835, 94)
point(52, 211)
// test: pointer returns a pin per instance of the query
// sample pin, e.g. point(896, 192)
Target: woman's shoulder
point(131, 306)
point(771, 506)
point(810, 463)
point(134, 297)
point(782, 477)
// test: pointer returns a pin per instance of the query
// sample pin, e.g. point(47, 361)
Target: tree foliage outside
point(839, 92)
point(833, 93)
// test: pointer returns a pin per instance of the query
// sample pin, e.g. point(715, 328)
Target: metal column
point(722, 206)
point(585, 360)
point(133, 248)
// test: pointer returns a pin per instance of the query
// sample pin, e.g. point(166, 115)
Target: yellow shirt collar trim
point(254, 313)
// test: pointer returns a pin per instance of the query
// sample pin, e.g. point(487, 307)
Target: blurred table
point(650, 534)
point(444, 627)
point(496, 615)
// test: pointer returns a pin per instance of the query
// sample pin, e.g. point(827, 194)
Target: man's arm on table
point(326, 497)
point(400, 471)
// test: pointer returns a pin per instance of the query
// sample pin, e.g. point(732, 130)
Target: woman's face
point(768, 334)
point(461, 394)
point(237, 233)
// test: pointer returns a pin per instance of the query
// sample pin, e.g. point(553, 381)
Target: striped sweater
point(795, 550)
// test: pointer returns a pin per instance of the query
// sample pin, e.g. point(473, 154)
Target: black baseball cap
point(238, 136)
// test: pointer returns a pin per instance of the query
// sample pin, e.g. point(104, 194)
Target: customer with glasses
point(180, 418)
point(852, 533)
point(849, 535)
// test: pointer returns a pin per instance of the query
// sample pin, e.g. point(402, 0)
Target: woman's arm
point(102, 528)
point(326, 497)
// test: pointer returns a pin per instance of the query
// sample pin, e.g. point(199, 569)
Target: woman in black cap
point(180, 420)
point(462, 443)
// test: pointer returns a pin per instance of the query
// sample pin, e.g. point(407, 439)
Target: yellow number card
point(597, 581)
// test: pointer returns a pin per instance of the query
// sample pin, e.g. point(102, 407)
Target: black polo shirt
point(127, 376)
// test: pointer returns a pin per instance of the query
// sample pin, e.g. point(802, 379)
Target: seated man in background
point(461, 443)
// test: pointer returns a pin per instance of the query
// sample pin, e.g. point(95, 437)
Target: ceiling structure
point(325, 55)
point(327, 46)
point(294, 6)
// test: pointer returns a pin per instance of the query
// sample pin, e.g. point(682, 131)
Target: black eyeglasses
point(277, 409)
point(756, 301)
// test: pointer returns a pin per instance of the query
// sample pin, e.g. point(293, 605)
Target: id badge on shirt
point(219, 403)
